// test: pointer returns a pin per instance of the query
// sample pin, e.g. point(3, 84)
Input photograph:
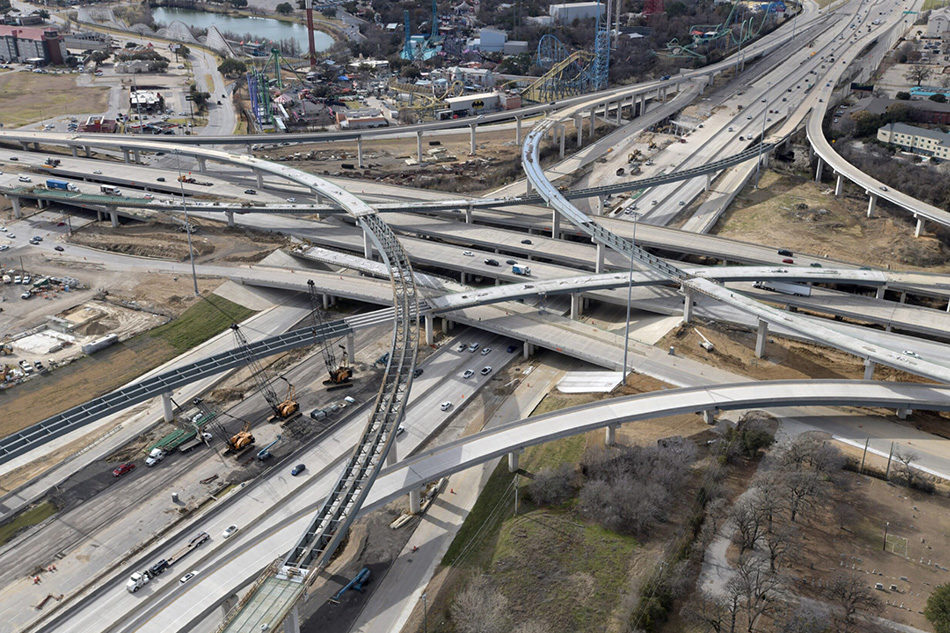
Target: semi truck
point(800, 290)
point(141, 578)
point(154, 457)
point(518, 269)
point(52, 183)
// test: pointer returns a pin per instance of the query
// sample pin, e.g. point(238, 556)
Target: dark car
point(526, 241)
point(785, 252)
point(512, 348)
point(160, 179)
point(250, 192)
point(417, 372)
point(510, 261)
point(58, 248)
point(121, 469)
point(492, 262)
point(299, 468)
point(815, 265)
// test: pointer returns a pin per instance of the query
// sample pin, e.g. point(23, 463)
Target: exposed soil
point(26, 97)
point(794, 212)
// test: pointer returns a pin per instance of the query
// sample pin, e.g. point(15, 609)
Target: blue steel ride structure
point(723, 32)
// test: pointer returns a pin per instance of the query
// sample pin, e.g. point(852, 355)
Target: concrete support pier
point(579, 126)
point(359, 152)
point(17, 210)
point(821, 166)
point(429, 322)
point(869, 369)
point(513, 461)
point(709, 416)
point(761, 338)
point(920, 227)
point(260, 178)
point(167, 413)
point(599, 263)
point(839, 182)
point(468, 214)
point(72, 150)
point(126, 155)
point(518, 131)
point(903, 413)
point(872, 202)
point(114, 219)
point(230, 216)
point(527, 350)
point(415, 501)
point(610, 435)
point(577, 306)
point(555, 224)
point(471, 141)
point(368, 246)
point(419, 146)
point(687, 306)
point(563, 139)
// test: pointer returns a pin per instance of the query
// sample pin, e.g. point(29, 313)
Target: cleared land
point(796, 213)
point(27, 97)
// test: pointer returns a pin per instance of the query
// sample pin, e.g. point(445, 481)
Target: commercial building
point(478, 77)
point(146, 101)
point(80, 41)
point(474, 103)
point(489, 41)
point(18, 19)
point(99, 124)
point(938, 24)
point(568, 12)
point(916, 139)
point(19, 43)
point(362, 119)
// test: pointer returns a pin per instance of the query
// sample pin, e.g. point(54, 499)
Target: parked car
point(121, 469)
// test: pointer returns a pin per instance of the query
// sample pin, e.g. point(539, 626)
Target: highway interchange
point(225, 566)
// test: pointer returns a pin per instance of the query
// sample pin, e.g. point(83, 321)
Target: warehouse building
point(568, 12)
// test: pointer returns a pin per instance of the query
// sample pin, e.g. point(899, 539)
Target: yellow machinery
point(241, 440)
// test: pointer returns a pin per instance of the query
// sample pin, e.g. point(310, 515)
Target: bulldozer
point(288, 408)
point(241, 440)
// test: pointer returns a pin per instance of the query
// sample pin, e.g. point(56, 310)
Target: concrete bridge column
point(920, 227)
point(527, 350)
point(230, 216)
point(167, 414)
point(468, 214)
point(359, 152)
point(619, 111)
point(419, 146)
point(709, 416)
point(429, 319)
point(879, 293)
point(25, 146)
point(367, 245)
point(446, 325)
point(872, 201)
point(577, 306)
point(17, 211)
point(471, 143)
point(72, 150)
point(137, 156)
point(292, 621)
point(821, 166)
point(415, 501)
point(528, 187)
point(326, 301)
point(518, 131)
point(903, 297)
point(599, 262)
point(708, 181)
point(260, 178)
point(610, 435)
point(869, 369)
point(555, 224)
point(903, 413)
point(513, 461)
point(41, 203)
point(351, 346)
point(579, 126)
point(36, 147)
point(463, 278)
point(592, 112)
point(838, 183)
point(114, 219)
point(643, 104)
point(563, 139)
point(761, 338)
point(126, 155)
point(687, 306)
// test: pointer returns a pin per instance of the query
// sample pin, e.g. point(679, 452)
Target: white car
point(231, 529)
point(97, 172)
point(291, 200)
point(486, 351)
point(468, 373)
point(445, 406)
point(468, 253)
point(187, 577)
point(23, 178)
point(400, 430)
point(486, 370)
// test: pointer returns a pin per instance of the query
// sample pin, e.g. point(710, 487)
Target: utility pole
point(626, 330)
point(184, 207)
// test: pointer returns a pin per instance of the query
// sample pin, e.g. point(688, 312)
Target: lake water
point(260, 28)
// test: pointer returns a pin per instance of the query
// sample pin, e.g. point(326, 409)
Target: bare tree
point(748, 519)
point(757, 586)
point(778, 542)
point(552, 486)
point(850, 593)
point(531, 626)
point(907, 474)
point(800, 490)
point(803, 619)
point(710, 613)
point(480, 608)
point(918, 73)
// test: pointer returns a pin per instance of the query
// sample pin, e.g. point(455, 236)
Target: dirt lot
point(26, 97)
point(212, 242)
point(837, 227)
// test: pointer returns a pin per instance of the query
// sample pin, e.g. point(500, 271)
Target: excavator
point(283, 410)
point(241, 440)
point(339, 376)
point(288, 408)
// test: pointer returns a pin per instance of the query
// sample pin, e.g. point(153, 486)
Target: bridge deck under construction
point(270, 603)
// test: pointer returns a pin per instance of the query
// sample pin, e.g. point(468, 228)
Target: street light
point(184, 207)
point(886, 525)
point(758, 162)
point(626, 330)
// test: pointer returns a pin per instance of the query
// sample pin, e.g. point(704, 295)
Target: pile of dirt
point(171, 246)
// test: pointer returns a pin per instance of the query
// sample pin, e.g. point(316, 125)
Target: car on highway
point(473, 347)
point(468, 373)
point(785, 252)
point(296, 470)
point(510, 262)
point(149, 196)
point(461, 347)
point(485, 370)
point(512, 348)
point(468, 253)
point(23, 178)
point(3, 229)
point(97, 172)
point(911, 352)
point(486, 351)
point(228, 531)
point(121, 469)
point(160, 179)
point(492, 262)
point(788, 260)
point(250, 192)
point(199, 538)
point(58, 248)
point(187, 577)
point(400, 430)
point(526, 241)
point(883, 188)
point(4, 247)
point(417, 372)
point(445, 406)
point(291, 200)
point(14, 158)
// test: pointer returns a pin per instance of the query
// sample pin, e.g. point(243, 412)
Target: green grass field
point(211, 315)
point(31, 517)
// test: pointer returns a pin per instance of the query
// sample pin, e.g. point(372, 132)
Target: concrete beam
point(761, 338)
point(167, 414)
point(415, 501)
point(513, 461)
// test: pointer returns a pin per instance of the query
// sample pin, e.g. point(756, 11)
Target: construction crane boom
point(339, 375)
point(257, 370)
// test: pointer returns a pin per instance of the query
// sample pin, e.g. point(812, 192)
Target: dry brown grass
point(28, 97)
